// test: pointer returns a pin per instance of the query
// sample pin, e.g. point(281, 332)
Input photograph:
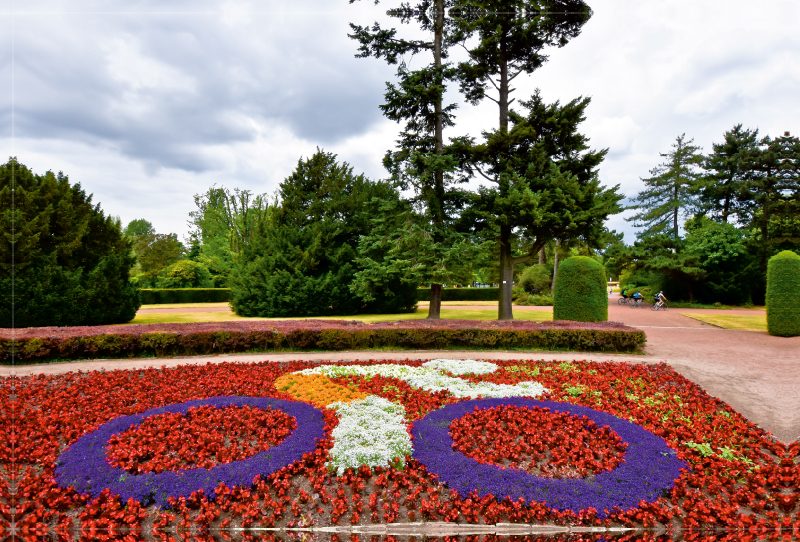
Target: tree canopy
point(64, 263)
point(301, 261)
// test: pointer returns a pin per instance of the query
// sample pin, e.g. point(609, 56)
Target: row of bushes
point(218, 295)
point(44, 344)
point(185, 295)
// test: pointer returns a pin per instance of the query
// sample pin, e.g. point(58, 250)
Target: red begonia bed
point(722, 471)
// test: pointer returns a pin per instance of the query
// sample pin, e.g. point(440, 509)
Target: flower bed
point(47, 343)
point(573, 443)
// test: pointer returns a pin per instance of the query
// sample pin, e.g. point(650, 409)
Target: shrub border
point(46, 344)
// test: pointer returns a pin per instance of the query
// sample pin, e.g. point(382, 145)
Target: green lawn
point(757, 322)
point(456, 314)
point(186, 305)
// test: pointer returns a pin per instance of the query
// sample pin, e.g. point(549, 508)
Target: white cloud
point(146, 105)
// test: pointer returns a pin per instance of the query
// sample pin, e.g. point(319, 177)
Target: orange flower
point(317, 389)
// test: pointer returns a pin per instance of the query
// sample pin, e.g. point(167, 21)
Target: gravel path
point(757, 374)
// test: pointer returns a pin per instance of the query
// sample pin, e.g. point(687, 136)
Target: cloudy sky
point(147, 103)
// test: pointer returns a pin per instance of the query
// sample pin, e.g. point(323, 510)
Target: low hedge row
point(43, 344)
point(461, 294)
point(219, 295)
point(185, 295)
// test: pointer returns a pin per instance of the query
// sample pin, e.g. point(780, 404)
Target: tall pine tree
point(726, 172)
point(671, 191)
point(421, 161)
point(769, 203)
point(506, 40)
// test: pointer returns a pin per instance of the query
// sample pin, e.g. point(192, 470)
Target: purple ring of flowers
point(84, 464)
point(650, 467)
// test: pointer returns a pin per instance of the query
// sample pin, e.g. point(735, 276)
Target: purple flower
point(84, 464)
point(649, 470)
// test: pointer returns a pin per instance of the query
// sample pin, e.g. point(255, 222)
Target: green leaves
point(64, 260)
point(302, 260)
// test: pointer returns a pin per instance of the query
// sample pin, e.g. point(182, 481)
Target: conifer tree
point(727, 169)
point(63, 262)
point(506, 40)
point(421, 161)
point(769, 203)
point(301, 260)
point(671, 191)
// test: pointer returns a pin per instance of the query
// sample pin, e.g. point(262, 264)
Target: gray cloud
point(161, 88)
point(146, 105)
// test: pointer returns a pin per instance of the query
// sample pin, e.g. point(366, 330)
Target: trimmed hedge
point(219, 295)
point(580, 293)
point(43, 344)
point(783, 294)
point(185, 295)
point(461, 294)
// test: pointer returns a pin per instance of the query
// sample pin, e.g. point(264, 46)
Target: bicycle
point(623, 300)
point(659, 305)
point(636, 302)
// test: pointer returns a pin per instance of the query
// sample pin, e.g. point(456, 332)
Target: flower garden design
point(196, 449)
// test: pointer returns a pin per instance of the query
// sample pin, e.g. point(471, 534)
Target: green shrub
point(521, 297)
point(580, 293)
point(71, 263)
point(185, 274)
point(302, 259)
point(535, 279)
point(783, 294)
point(461, 294)
point(185, 295)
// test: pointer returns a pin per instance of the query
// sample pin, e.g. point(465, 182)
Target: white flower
point(371, 431)
point(430, 379)
point(461, 366)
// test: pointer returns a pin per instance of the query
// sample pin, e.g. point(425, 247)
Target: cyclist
point(624, 293)
point(660, 298)
point(637, 298)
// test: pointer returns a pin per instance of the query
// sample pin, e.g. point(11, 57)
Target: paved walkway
point(757, 374)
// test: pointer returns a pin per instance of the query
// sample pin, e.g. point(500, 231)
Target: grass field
point(757, 322)
point(460, 314)
point(186, 305)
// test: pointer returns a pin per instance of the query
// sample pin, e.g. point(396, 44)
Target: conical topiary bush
point(580, 292)
point(783, 294)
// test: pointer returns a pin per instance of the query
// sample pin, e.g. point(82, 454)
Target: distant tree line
point(711, 222)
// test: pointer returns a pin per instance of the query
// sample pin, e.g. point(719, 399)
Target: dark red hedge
point(47, 343)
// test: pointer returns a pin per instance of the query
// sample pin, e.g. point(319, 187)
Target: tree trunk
point(555, 266)
point(504, 311)
point(542, 256)
point(438, 127)
point(675, 212)
point(435, 308)
point(437, 205)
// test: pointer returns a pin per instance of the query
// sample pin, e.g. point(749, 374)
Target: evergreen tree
point(300, 261)
point(63, 262)
point(671, 191)
point(727, 169)
point(421, 161)
point(769, 204)
point(547, 187)
point(503, 40)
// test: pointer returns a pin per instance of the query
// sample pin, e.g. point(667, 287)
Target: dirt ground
point(757, 374)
